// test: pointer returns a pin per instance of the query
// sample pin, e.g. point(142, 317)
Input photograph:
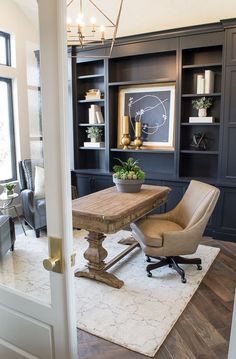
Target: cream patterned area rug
point(138, 316)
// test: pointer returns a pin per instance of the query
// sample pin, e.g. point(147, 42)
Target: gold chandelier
point(92, 34)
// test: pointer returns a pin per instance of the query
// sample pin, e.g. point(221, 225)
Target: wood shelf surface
point(89, 124)
point(200, 124)
point(142, 151)
point(89, 101)
point(137, 82)
point(214, 94)
point(93, 76)
point(92, 148)
point(196, 152)
point(195, 66)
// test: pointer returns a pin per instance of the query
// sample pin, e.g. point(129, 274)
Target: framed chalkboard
point(153, 106)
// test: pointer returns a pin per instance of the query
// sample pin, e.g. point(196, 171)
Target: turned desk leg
point(95, 255)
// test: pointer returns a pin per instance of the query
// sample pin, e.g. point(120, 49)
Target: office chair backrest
point(196, 205)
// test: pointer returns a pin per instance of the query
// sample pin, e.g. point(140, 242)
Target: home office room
point(117, 179)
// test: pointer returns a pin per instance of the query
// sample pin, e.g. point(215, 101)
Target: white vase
point(202, 112)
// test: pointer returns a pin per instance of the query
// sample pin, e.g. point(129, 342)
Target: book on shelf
point(94, 144)
point(199, 119)
point(205, 82)
point(92, 97)
point(200, 84)
point(93, 94)
point(209, 81)
point(99, 117)
point(92, 114)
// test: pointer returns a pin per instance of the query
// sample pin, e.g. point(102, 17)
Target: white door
point(29, 328)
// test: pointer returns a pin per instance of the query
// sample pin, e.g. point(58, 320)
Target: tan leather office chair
point(168, 236)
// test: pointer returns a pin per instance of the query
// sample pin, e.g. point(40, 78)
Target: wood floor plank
point(211, 310)
point(202, 326)
point(201, 332)
point(194, 340)
point(218, 287)
point(177, 347)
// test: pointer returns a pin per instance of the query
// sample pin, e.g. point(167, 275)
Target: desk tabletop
point(109, 209)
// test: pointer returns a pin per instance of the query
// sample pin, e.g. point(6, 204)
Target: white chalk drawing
point(153, 106)
point(139, 114)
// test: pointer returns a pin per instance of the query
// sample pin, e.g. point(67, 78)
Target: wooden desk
point(108, 211)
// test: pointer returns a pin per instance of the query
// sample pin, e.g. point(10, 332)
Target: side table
point(8, 203)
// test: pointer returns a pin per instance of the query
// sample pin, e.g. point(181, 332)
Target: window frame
point(12, 130)
point(7, 38)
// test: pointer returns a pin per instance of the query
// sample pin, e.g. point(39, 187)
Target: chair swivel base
point(173, 262)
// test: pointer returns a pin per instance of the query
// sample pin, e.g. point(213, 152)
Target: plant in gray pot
point(9, 188)
point(128, 176)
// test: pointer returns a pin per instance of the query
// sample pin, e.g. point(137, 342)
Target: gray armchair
point(34, 209)
point(7, 235)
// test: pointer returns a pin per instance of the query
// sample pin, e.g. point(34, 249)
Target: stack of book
point(207, 119)
point(95, 115)
point(94, 144)
point(205, 82)
point(93, 94)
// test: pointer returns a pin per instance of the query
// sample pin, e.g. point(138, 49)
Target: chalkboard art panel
point(153, 106)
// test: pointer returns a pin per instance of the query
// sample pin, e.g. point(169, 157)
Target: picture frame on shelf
point(154, 106)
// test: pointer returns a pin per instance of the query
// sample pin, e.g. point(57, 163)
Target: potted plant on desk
point(128, 176)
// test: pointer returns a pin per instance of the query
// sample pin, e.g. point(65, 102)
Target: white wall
point(14, 21)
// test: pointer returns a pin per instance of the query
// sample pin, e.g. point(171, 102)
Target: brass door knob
point(50, 263)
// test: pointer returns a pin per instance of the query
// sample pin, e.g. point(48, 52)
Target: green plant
point(94, 132)
point(10, 186)
point(202, 102)
point(128, 170)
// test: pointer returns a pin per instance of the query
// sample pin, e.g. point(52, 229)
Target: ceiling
point(141, 16)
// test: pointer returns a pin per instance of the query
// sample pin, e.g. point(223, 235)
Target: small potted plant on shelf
point(128, 176)
point(202, 104)
point(9, 188)
point(94, 133)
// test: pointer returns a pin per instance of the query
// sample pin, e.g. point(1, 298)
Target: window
point(7, 137)
point(5, 52)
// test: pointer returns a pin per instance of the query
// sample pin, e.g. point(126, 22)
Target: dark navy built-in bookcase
point(174, 56)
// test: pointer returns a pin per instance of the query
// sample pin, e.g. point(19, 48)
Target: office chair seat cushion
point(150, 231)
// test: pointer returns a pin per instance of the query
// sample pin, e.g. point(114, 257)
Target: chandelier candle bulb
point(93, 22)
point(126, 125)
point(138, 129)
point(68, 24)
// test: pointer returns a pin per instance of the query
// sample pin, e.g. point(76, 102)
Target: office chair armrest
point(183, 242)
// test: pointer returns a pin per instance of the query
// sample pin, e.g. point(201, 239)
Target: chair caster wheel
point(199, 267)
point(170, 265)
point(149, 274)
point(184, 280)
point(148, 259)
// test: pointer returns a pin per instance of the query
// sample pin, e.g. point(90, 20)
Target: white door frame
point(49, 331)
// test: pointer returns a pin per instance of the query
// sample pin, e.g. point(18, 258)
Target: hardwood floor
point(201, 332)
